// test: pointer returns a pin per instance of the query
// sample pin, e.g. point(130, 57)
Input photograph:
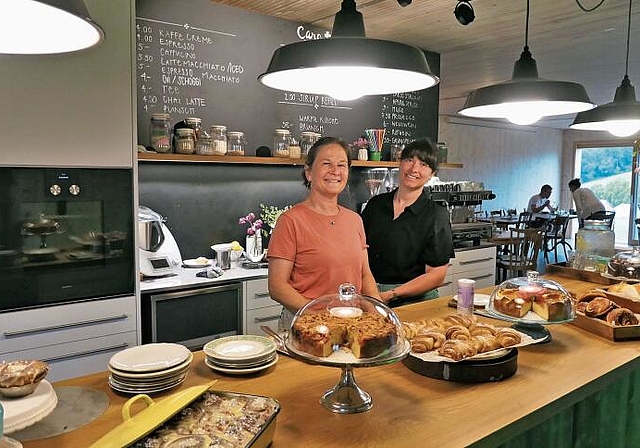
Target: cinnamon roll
point(599, 307)
point(589, 295)
point(621, 317)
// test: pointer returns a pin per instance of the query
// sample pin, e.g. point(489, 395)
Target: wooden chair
point(555, 236)
point(523, 254)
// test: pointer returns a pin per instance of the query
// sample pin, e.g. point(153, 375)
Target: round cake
point(549, 304)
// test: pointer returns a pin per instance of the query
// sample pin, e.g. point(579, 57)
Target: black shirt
point(399, 249)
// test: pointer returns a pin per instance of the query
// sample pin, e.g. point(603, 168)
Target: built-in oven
point(65, 235)
point(192, 317)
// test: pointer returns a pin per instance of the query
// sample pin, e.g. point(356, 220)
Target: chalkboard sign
point(196, 58)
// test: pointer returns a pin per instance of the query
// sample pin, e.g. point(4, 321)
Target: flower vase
point(254, 247)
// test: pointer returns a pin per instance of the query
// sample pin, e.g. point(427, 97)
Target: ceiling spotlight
point(404, 2)
point(464, 12)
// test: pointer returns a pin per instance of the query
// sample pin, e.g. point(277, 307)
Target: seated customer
point(538, 203)
point(588, 206)
point(408, 234)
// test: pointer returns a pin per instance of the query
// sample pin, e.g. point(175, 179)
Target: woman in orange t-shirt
point(318, 244)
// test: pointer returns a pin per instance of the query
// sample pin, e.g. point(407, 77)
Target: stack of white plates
point(149, 368)
point(240, 355)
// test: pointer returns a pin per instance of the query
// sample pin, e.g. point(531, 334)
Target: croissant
point(589, 295)
point(458, 332)
point(457, 349)
point(438, 322)
point(482, 329)
point(459, 319)
point(621, 317)
point(436, 337)
point(507, 337)
point(484, 343)
point(598, 307)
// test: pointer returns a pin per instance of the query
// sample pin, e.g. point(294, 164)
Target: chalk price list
point(398, 114)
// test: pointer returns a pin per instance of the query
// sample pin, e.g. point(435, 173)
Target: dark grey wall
point(202, 202)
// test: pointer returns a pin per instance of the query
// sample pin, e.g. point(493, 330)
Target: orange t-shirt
point(325, 250)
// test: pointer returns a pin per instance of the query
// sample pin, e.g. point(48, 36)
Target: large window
point(607, 171)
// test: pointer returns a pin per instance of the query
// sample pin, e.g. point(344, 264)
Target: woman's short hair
point(424, 150)
point(574, 183)
point(313, 153)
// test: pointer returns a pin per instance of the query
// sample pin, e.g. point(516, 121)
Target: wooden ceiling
point(568, 43)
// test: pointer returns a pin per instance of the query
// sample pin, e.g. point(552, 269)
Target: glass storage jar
point(595, 245)
point(219, 139)
point(307, 139)
point(160, 133)
point(281, 142)
point(235, 143)
point(185, 141)
point(295, 152)
point(195, 124)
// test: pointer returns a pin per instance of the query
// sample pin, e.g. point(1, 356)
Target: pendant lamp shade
point(621, 117)
point(348, 65)
point(526, 98)
point(46, 27)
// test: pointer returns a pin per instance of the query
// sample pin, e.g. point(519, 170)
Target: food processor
point(159, 252)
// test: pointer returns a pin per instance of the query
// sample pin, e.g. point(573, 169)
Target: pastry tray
point(469, 371)
point(602, 328)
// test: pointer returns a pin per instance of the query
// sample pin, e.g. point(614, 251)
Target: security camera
point(464, 12)
point(404, 2)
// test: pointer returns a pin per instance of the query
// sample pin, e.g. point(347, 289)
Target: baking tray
point(602, 328)
point(137, 428)
point(476, 371)
point(563, 270)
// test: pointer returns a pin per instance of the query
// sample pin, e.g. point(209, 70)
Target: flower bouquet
point(253, 247)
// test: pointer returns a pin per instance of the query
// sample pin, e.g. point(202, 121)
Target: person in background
point(539, 202)
point(588, 206)
point(318, 244)
point(409, 235)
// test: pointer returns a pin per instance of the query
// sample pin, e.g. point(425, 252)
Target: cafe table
point(578, 390)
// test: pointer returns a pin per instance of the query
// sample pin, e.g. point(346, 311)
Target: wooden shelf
point(192, 158)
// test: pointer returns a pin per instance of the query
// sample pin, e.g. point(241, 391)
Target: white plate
point(194, 263)
point(243, 364)
point(247, 371)
point(127, 390)
point(478, 299)
point(156, 375)
point(150, 357)
point(242, 347)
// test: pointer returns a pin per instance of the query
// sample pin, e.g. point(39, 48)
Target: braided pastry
point(457, 349)
point(599, 306)
point(22, 372)
point(482, 329)
point(458, 332)
point(621, 317)
point(507, 337)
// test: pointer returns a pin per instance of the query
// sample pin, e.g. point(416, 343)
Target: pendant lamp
point(620, 117)
point(348, 65)
point(526, 98)
point(46, 27)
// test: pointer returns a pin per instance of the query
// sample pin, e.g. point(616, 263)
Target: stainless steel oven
point(192, 317)
point(65, 235)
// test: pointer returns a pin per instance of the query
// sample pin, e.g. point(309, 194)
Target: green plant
point(269, 215)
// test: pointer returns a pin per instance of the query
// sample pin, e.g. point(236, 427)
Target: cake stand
point(530, 323)
point(20, 413)
point(346, 397)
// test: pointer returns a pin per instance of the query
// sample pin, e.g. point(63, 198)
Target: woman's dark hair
point(424, 150)
point(574, 183)
point(313, 153)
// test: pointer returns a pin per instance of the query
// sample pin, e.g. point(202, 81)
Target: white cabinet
point(75, 339)
point(259, 308)
point(475, 264)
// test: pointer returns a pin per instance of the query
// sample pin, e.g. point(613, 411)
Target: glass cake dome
point(346, 327)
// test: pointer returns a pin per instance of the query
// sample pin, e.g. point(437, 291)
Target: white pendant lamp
point(348, 65)
point(46, 27)
point(526, 98)
point(620, 117)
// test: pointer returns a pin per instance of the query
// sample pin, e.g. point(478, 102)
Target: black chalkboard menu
point(196, 58)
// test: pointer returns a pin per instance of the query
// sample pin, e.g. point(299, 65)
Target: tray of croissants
point(459, 337)
point(613, 313)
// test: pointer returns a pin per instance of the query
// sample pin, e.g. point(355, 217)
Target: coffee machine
point(159, 252)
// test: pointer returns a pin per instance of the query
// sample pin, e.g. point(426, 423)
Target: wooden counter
point(411, 410)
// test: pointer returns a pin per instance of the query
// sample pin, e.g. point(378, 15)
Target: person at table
point(319, 244)
point(409, 235)
point(539, 202)
point(588, 206)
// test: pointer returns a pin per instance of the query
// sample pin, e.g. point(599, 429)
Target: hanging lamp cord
point(626, 68)
point(526, 29)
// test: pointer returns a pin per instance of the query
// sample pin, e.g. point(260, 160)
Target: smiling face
point(414, 173)
point(330, 170)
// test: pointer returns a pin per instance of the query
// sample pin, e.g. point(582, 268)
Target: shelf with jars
point(195, 158)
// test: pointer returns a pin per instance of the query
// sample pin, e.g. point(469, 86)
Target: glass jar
point(307, 139)
point(195, 124)
point(160, 133)
point(204, 145)
point(595, 245)
point(295, 152)
point(235, 143)
point(185, 141)
point(281, 142)
point(219, 139)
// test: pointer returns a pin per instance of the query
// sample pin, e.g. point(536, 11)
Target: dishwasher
point(192, 317)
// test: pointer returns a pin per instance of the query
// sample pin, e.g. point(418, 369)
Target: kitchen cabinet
point(259, 307)
point(475, 264)
point(75, 339)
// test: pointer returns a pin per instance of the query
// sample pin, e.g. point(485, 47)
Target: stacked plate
point(240, 355)
point(149, 368)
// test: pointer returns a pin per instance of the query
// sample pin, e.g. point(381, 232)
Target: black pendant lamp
point(348, 65)
point(526, 98)
point(620, 117)
point(46, 27)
